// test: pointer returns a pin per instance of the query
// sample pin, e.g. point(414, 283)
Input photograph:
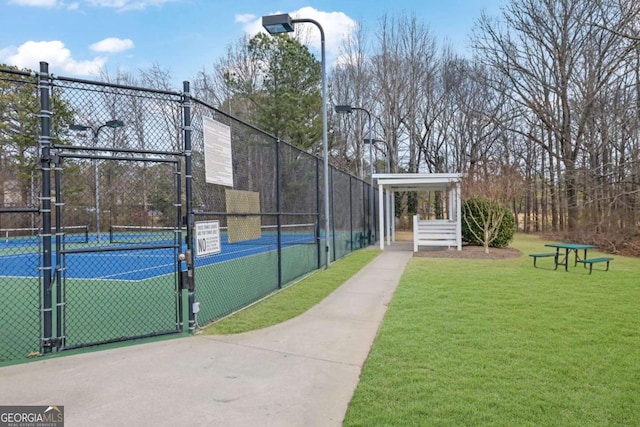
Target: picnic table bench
point(543, 255)
point(592, 261)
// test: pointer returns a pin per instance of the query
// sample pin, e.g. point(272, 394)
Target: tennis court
point(129, 253)
point(123, 286)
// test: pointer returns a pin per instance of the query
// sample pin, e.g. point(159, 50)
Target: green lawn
point(481, 342)
point(296, 299)
point(489, 342)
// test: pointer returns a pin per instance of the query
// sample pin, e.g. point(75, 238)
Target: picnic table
point(561, 259)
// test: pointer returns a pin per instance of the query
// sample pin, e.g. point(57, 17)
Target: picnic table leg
point(556, 259)
point(566, 260)
point(576, 256)
point(584, 256)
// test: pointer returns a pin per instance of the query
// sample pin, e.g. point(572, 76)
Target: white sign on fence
point(217, 152)
point(207, 238)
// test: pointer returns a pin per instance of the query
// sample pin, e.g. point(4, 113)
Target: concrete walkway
point(299, 373)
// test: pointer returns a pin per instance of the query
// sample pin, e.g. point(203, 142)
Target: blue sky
point(78, 37)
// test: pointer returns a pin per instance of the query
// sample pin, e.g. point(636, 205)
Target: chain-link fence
point(20, 242)
point(272, 218)
point(103, 191)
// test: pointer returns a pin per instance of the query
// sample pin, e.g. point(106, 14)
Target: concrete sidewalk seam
point(298, 355)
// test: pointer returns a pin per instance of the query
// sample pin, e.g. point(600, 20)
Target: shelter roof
point(418, 181)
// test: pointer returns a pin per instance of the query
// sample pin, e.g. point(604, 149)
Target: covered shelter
point(444, 232)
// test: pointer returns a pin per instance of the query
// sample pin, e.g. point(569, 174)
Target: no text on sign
point(207, 238)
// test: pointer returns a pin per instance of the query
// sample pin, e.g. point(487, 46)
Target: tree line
point(544, 115)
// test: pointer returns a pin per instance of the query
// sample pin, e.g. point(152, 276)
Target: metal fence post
point(59, 227)
point(318, 210)
point(44, 142)
point(189, 216)
point(365, 200)
point(332, 206)
point(376, 206)
point(351, 213)
point(278, 213)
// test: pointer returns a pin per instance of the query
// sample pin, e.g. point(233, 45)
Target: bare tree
point(350, 84)
point(556, 66)
point(233, 82)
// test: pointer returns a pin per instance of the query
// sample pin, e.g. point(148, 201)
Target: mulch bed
point(469, 252)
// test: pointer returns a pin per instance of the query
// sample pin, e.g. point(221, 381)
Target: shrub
point(480, 214)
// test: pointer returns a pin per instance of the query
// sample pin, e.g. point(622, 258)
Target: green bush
point(480, 211)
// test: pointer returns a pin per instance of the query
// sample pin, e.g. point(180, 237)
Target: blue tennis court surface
point(134, 264)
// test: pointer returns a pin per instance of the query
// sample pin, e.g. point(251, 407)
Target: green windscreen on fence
point(99, 211)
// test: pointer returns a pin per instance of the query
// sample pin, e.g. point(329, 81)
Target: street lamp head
point(79, 128)
point(114, 124)
point(344, 109)
point(276, 24)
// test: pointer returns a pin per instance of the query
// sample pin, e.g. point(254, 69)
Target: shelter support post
point(458, 212)
point(393, 216)
point(381, 214)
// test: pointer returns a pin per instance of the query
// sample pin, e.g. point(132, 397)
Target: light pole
point(283, 23)
point(348, 109)
point(113, 124)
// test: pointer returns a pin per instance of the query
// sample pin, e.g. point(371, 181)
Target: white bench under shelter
point(445, 232)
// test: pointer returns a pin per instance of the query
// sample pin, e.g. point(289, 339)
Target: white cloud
point(112, 45)
point(337, 27)
point(35, 3)
point(121, 5)
point(29, 54)
point(245, 18)
point(47, 4)
point(124, 5)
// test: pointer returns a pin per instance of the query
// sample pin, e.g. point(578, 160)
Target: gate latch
point(186, 276)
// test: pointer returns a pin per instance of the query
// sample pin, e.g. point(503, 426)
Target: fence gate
point(116, 267)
